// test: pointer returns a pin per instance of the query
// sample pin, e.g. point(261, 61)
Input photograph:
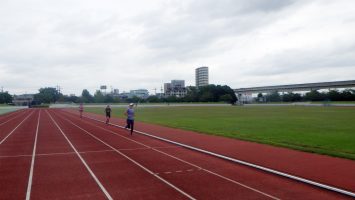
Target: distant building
point(175, 88)
point(115, 93)
point(125, 95)
point(23, 99)
point(140, 93)
point(167, 87)
point(177, 83)
point(201, 76)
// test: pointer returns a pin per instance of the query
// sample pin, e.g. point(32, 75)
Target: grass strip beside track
point(6, 109)
point(323, 130)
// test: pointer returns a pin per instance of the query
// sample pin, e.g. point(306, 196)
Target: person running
point(130, 117)
point(81, 110)
point(108, 113)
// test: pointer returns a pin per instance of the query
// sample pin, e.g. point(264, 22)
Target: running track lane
point(205, 182)
point(333, 171)
point(10, 123)
point(14, 166)
point(9, 116)
point(58, 171)
point(182, 176)
point(122, 178)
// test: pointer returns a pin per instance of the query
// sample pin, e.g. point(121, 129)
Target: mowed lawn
point(323, 130)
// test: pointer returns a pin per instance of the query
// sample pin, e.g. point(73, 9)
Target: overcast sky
point(82, 44)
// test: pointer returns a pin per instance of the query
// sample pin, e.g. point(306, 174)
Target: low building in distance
point(175, 88)
point(23, 99)
point(140, 93)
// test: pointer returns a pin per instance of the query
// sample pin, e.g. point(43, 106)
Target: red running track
point(84, 159)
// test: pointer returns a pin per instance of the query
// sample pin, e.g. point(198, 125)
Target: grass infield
point(322, 130)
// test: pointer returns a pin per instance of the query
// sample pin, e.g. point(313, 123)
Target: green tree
point(153, 99)
point(207, 97)
point(273, 97)
point(47, 95)
point(86, 97)
point(192, 94)
point(334, 95)
point(314, 95)
point(5, 97)
point(226, 98)
point(99, 97)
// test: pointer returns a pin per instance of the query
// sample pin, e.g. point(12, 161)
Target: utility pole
point(155, 91)
point(2, 89)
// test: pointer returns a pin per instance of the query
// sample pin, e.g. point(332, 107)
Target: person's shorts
point(108, 115)
point(130, 123)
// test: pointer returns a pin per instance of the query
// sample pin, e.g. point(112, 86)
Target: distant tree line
point(210, 93)
point(5, 98)
point(314, 95)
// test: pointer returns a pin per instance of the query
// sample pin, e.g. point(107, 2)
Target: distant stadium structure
point(245, 94)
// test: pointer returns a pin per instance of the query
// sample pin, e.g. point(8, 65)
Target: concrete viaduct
point(297, 87)
point(246, 93)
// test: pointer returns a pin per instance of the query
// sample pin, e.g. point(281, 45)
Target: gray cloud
point(82, 44)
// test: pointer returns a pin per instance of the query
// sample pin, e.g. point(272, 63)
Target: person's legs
point(127, 122)
point(107, 118)
point(132, 124)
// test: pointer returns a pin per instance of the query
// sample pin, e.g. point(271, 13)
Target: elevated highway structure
point(246, 93)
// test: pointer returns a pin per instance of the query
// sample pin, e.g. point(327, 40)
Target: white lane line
point(135, 162)
point(191, 164)
point(72, 152)
point(16, 156)
point(265, 169)
point(15, 128)
point(82, 160)
point(29, 185)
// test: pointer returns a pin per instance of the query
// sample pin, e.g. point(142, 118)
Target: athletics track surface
point(53, 154)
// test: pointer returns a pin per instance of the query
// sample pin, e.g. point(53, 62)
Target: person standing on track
point(81, 110)
point(108, 113)
point(130, 117)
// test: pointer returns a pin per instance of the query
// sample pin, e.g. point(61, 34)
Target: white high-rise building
point(201, 76)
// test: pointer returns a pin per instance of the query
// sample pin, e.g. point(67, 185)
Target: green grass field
point(6, 109)
point(323, 130)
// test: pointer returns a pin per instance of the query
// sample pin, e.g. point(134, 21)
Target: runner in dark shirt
point(130, 117)
point(108, 113)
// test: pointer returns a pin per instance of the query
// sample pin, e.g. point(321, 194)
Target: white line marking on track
point(16, 156)
point(186, 162)
point(82, 160)
point(135, 162)
point(29, 185)
point(72, 152)
point(15, 128)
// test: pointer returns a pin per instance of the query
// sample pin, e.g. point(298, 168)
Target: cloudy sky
point(82, 44)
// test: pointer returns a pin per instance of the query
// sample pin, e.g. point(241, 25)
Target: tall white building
point(201, 76)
